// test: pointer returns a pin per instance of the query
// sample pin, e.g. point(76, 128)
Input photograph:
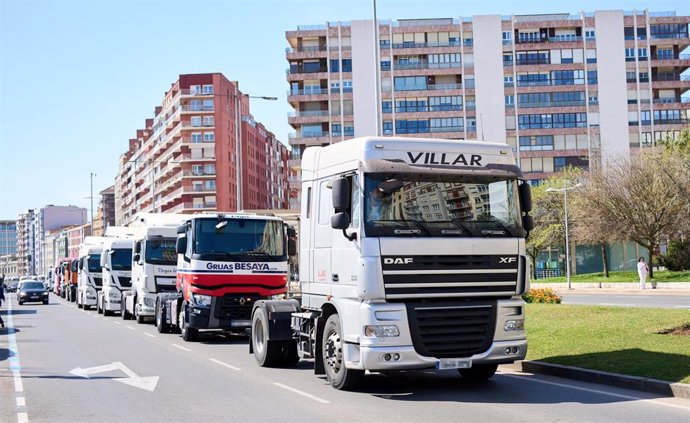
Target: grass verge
point(659, 276)
point(612, 339)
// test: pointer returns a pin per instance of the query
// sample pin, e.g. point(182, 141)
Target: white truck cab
point(412, 256)
point(154, 263)
point(116, 261)
point(90, 271)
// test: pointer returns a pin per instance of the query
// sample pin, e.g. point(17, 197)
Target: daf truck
point(226, 263)
point(116, 263)
point(90, 271)
point(154, 263)
point(412, 256)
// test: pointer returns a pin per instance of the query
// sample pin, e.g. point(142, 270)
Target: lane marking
point(148, 334)
point(180, 347)
point(18, 385)
point(129, 327)
point(594, 391)
point(22, 418)
point(116, 322)
point(15, 364)
point(304, 394)
point(229, 366)
point(21, 402)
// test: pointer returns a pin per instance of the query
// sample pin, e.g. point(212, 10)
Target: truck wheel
point(478, 372)
point(99, 310)
point(79, 302)
point(123, 306)
point(161, 325)
point(267, 353)
point(106, 312)
point(290, 357)
point(339, 376)
point(139, 317)
point(188, 334)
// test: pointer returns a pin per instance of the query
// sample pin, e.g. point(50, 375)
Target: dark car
point(32, 291)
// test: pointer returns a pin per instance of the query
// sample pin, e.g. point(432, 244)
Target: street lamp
point(565, 190)
point(238, 143)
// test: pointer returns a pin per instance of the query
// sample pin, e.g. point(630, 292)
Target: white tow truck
point(90, 271)
point(412, 256)
point(154, 263)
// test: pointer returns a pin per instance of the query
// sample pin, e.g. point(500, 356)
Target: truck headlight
point(512, 325)
point(201, 300)
point(380, 331)
point(149, 302)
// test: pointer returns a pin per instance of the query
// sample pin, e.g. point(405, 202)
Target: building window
point(196, 120)
point(410, 83)
point(208, 121)
point(207, 89)
point(347, 86)
point(196, 137)
point(207, 105)
point(209, 136)
point(387, 127)
point(510, 100)
point(195, 89)
point(387, 106)
point(589, 34)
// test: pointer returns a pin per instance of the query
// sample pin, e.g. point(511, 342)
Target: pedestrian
point(642, 271)
point(2, 298)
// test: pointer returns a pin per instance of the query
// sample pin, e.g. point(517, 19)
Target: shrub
point(677, 256)
point(542, 295)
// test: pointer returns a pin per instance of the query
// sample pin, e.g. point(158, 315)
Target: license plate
point(242, 323)
point(453, 364)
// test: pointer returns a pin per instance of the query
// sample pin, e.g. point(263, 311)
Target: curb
point(655, 386)
point(604, 286)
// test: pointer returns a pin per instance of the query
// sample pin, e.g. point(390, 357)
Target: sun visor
point(491, 170)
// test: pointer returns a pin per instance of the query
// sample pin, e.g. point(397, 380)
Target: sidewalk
point(662, 288)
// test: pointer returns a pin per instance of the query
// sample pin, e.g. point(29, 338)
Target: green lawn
point(612, 339)
point(659, 276)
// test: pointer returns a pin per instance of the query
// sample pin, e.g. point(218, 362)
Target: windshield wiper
point(234, 257)
point(420, 225)
point(496, 222)
point(262, 254)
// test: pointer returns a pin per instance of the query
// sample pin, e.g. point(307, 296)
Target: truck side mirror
point(341, 220)
point(527, 223)
point(103, 260)
point(525, 191)
point(292, 247)
point(81, 266)
point(137, 248)
point(182, 228)
point(136, 257)
point(341, 195)
point(181, 245)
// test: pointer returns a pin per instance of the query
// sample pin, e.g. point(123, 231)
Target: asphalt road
point(628, 300)
point(216, 379)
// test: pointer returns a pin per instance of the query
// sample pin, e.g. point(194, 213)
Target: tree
point(639, 199)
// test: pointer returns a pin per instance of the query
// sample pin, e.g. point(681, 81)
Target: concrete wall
point(613, 100)
point(488, 65)
point(364, 78)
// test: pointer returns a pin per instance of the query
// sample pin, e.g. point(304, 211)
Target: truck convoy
point(412, 256)
point(154, 263)
point(90, 273)
point(226, 263)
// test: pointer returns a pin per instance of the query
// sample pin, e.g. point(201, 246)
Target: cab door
point(346, 253)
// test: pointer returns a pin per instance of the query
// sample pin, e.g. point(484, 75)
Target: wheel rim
point(259, 336)
point(181, 321)
point(334, 352)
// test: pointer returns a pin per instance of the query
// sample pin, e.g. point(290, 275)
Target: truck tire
point(161, 325)
point(99, 310)
point(478, 372)
point(339, 376)
point(79, 303)
point(106, 312)
point(267, 353)
point(123, 306)
point(139, 317)
point(188, 334)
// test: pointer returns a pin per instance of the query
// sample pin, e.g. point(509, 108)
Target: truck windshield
point(121, 259)
point(239, 240)
point(440, 206)
point(160, 251)
point(94, 263)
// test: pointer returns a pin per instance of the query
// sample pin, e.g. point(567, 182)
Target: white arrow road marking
point(132, 379)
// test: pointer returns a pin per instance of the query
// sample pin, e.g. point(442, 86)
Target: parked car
point(11, 285)
point(32, 291)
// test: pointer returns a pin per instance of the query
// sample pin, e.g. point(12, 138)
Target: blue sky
point(78, 77)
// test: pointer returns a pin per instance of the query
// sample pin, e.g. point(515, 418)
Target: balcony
point(521, 62)
point(301, 70)
point(195, 173)
point(188, 92)
point(304, 49)
point(552, 104)
point(421, 65)
point(432, 87)
point(190, 108)
point(308, 113)
point(308, 91)
point(428, 45)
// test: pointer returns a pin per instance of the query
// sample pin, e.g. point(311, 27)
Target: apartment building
point(560, 89)
point(202, 151)
point(105, 214)
point(46, 219)
point(24, 242)
point(8, 237)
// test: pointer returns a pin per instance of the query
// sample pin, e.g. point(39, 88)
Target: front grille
point(231, 308)
point(98, 281)
point(449, 276)
point(452, 330)
point(125, 281)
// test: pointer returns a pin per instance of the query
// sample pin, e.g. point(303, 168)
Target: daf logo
point(507, 260)
point(397, 260)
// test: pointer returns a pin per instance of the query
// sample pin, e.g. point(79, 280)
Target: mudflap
point(279, 314)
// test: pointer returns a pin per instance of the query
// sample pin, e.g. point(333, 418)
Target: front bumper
point(372, 358)
point(214, 317)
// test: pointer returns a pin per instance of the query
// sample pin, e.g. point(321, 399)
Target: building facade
point(8, 237)
point(562, 90)
point(9, 266)
point(24, 243)
point(49, 218)
point(105, 214)
point(186, 158)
